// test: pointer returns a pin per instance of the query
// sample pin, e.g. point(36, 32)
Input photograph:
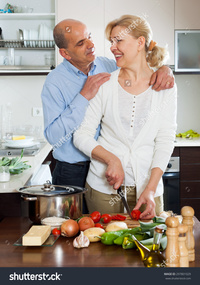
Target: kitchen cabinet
point(187, 14)
point(190, 178)
point(37, 55)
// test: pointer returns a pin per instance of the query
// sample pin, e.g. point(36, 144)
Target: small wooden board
point(130, 223)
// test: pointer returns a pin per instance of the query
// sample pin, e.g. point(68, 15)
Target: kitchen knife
point(121, 194)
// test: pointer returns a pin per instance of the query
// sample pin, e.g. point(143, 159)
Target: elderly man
point(67, 92)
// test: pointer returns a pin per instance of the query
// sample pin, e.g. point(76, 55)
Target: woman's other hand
point(147, 197)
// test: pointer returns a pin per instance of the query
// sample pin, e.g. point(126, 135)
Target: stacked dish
point(43, 37)
point(21, 143)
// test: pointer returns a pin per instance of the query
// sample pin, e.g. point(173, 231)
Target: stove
point(28, 151)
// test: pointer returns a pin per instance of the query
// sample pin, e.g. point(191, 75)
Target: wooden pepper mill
point(172, 249)
point(184, 259)
point(188, 214)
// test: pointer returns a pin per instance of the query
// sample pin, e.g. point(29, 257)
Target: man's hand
point(93, 83)
point(147, 197)
point(162, 79)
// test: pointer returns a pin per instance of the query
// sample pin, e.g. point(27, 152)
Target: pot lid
point(48, 189)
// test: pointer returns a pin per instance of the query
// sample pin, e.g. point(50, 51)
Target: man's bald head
point(62, 29)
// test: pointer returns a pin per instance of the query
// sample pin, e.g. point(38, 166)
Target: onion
point(69, 228)
point(85, 223)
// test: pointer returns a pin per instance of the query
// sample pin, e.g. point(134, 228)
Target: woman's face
point(124, 46)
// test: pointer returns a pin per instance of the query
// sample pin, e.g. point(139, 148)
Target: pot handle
point(27, 198)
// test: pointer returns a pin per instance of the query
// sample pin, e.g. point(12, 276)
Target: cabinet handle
point(187, 189)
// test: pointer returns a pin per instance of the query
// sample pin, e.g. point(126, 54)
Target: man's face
point(80, 50)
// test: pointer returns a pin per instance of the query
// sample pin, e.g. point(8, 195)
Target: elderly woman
point(138, 125)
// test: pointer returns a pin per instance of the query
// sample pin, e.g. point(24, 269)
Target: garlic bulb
point(81, 241)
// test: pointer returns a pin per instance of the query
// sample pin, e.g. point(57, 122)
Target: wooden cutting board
point(130, 223)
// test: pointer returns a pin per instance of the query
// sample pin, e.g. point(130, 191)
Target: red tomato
point(56, 232)
point(135, 214)
point(99, 225)
point(106, 218)
point(96, 216)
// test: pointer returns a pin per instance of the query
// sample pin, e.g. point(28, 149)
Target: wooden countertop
point(63, 254)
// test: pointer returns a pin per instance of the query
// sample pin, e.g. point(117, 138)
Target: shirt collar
point(74, 69)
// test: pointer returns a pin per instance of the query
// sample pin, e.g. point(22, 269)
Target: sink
point(30, 151)
point(17, 152)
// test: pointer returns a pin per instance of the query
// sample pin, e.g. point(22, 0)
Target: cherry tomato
point(136, 214)
point(96, 216)
point(98, 225)
point(106, 218)
point(56, 232)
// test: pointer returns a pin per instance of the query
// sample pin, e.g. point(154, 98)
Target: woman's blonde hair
point(137, 27)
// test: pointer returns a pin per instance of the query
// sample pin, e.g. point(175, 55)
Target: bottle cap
point(159, 230)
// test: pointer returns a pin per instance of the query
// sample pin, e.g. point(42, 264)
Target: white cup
point(4, 60)
point(11, 55)
point(18, 60)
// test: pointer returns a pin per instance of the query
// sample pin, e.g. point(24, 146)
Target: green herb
point(16, 165)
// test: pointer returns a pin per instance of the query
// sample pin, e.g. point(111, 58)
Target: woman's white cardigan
point(152, 147)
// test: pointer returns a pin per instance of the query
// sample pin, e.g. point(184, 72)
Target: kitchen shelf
point(24, 67)
point(27, 44)
point(27, 16)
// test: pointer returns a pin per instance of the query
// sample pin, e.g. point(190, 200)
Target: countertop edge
point(20, 180)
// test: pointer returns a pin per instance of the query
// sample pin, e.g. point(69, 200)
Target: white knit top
point(152, 147)
point(133, 111)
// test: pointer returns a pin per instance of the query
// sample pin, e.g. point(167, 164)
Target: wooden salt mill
point(184, 259)
point(188, 214)
point(172, 249)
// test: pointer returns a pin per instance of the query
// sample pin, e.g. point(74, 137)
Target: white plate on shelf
point(27, 142)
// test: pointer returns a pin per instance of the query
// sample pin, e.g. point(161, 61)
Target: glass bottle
point(153, 257)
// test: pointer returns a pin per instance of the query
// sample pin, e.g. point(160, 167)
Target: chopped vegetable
point(98, 225)
point(118, 217)
point(16, 165)
point(136, 214)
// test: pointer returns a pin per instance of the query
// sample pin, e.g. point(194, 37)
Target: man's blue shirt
point(64, 107)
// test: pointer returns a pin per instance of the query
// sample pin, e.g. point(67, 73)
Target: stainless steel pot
point(51, 200)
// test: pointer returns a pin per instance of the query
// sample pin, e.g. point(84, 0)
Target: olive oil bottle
point(153, 257)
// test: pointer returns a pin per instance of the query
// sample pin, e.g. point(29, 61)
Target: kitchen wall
point(188, 116)
point(23, 92)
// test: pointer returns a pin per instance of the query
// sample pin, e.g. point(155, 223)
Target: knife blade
point(119, 191)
